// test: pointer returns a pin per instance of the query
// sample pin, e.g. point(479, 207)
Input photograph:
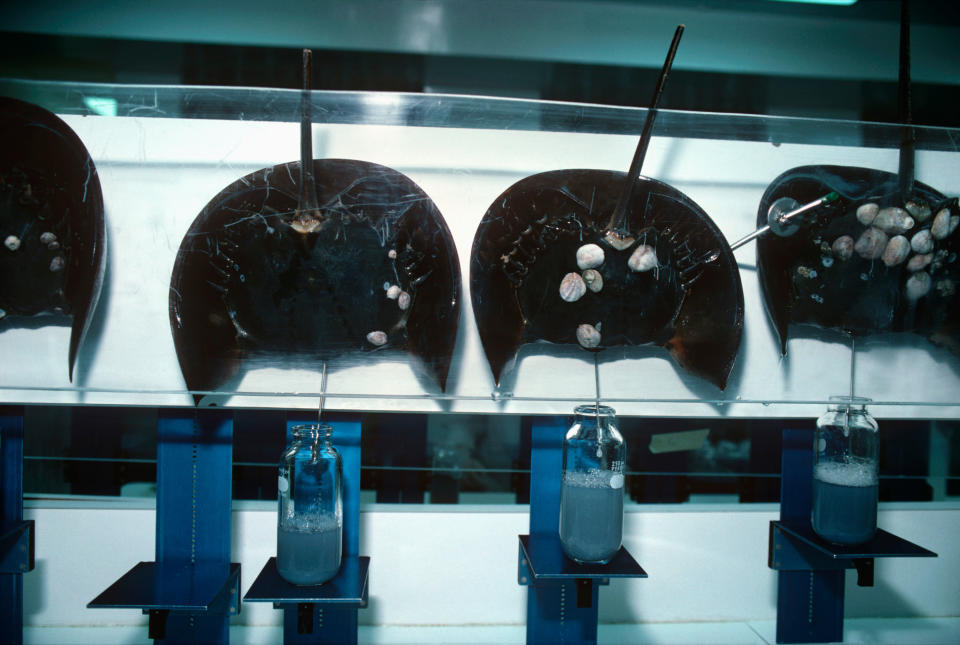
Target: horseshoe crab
point(882, 258)
point(51, 221)
point(601, 258)
point(314, 258)
point(872, 262)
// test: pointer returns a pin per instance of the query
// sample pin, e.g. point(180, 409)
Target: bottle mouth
point(594, 410)
point(840, 401)
point(311, 430)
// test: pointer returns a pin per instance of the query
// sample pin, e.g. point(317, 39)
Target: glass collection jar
point(310, 512)
point(591, 492)
point(845, 472)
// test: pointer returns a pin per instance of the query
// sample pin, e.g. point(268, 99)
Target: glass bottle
point(845, 472)
point(591, 492)
point(310, 514)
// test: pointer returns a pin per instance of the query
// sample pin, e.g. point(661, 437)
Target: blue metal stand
point(325, 613)
point(16, 536)
point(192, 589)
point(811, 570)
point(562, 596)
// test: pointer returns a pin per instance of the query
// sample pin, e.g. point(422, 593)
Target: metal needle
point(323, 392)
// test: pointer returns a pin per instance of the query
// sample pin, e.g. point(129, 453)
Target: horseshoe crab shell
point(246, 281)
point(857, 294)
point(527, 241)
point(51, 212)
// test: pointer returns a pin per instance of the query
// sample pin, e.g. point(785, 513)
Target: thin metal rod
point(749, 238)
point(906, 170)
point(596, 378)
point(786, 217)
point(323, 392)
point(618, 220)
point(853, 363)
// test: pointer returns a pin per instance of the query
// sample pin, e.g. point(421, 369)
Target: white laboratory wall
point(458, 565)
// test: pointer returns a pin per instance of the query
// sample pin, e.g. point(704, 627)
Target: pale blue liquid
point(309, 557)
point(844, 513)
point(591, 516)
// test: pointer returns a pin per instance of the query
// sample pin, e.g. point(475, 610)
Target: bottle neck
point(849, 409)
point(848, 404)
point(312, 434)
point(591, 419)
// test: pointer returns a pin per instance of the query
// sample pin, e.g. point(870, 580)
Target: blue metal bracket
point(562, 596)
point(16, 536)
point(192, 589)
point(17, 549)
point(187, 590)
point(810, 584)
point(325, 613)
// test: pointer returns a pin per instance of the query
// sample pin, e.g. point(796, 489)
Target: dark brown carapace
point(51, 222)
point(872, 262)
point(376, 268)
point(686, 296)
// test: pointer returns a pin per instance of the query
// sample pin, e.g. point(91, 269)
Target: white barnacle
point(403, 301)
point(920, 261)
point(943, 224)
point(57, 263)
point(12, 242)
point(922, 242)
point(866, 213)
point(871, 244)
point(377, 338)
point(588, 336)
point(393, 292)
point(392, 254)
point(898, 248)
point(572, 287)
point(593, 280)
point(893, 220)
point(842, 247)
point(921, 212)
point(47, 237)
point(589, 256)
point(643, 258)
point(918, 285)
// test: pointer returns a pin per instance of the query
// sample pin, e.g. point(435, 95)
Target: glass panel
point(168, 151)
point(474, 459)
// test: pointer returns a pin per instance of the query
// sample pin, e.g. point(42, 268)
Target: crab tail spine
point(906, 170)
point(618, 222)
point(307, 204)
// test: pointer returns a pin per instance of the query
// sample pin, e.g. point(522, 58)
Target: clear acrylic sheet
point(170, 150)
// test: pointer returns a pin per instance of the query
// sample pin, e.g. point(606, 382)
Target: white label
point(678, 441)
point(282, 484)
